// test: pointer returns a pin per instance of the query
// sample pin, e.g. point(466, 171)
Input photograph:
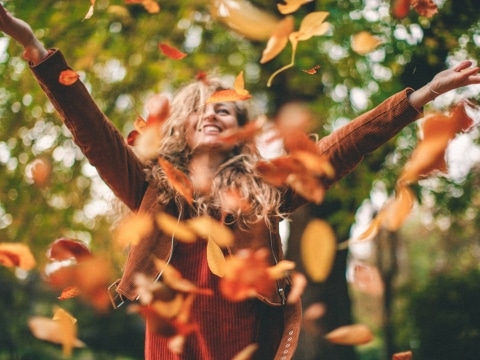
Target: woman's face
point(204, 127)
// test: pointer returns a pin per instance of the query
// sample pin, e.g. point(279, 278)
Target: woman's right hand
point(20, 31)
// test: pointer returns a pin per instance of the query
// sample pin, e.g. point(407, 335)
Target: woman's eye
point(223, 111)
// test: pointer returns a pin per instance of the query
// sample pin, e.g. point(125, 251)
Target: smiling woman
point(200, 187)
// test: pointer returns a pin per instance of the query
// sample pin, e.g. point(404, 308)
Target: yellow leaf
point(397, 211)
point(278, 40)
point(68, 330)
point(364, 42)
point(312, 25)
point(356, 334)
point(215, 258)
point(246, 353)
point(244, 18)
point(207, 227)
point(172, 226)
point(318, 249)
point(291, 6)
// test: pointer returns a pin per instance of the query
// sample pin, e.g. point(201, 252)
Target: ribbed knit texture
point(225, 327)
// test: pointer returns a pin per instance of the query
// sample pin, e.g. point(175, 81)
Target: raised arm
point(347, 146)
point(96, 136)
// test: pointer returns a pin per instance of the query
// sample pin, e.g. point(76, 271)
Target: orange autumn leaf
point(151, 6)
point(174, 227)
point(318, 249)
point(132, 229)
point(397, 211)
point(244, 133)
point(238, 93)
point(290, 6)
point(357, 334)
point(171, 52)
point(426, 8)
point(307, 186)
point(404, 355)
point(242, 17)
point(313, 24)
point(279, 39)
point(312, 70)
point(178, 180)
point(16, 255)
point(373, 228)
point(68, 77)
point(40, 170)
point(209, 228)
point(297, 140)
point(400, 8)
point(215, 258)
point(280, 269)
point(69, 292)
point(364, 43)
point(315, 164)
point(60, 330)
point(65, 249)
point(299, 283)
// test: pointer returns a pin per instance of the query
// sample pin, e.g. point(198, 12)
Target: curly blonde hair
point(237, 173)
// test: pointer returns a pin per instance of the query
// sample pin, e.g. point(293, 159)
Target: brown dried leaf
point(178, 180)
point(171, 52)
point(307, 186)
point(352, 335)
point(425, 7)
point(16, 255)
point(405, 355)
point(318, 248)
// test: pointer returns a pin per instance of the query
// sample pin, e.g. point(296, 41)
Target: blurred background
point(417, 288)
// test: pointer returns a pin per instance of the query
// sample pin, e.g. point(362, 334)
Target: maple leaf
point(171, 52)
point(16, 255)
point(68, 77)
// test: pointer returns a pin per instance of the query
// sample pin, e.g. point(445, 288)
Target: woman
point(192, 145)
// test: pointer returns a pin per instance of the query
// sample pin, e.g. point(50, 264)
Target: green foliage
point(446, 317)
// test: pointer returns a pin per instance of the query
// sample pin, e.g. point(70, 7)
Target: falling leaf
point(69, 292)
point(47, 329)
point(307, 186)
point(66, 248)
point(357, 334)
point(405, 355)
point(158, 107)
point(397, 211)
point(364, 42)
point(90, 10)
point(290, 6)
point(367, 279)
point(238, 93)
point(40, 170)
point(177, 179)
point(68, 330)
point(425, 7)
point(175, 228)
point(171, 52)
point(16, 255)
point(312, 25)
point(215, 258)
point(233, 201)
point(280, 270)
point(244, 133)
point(318, 248)
point(245, 19)
point(279, 39)
point(209, 228)
point(68, 77)
point(400, 8)
point(247, 353)
point(312, 70)
point(132, 229)
point(315, 164)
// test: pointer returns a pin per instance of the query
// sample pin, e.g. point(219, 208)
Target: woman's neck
point(203, 168)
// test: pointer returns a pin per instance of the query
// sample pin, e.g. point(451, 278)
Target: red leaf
point(171, 52)
point(400, 8)
point(68, 77)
